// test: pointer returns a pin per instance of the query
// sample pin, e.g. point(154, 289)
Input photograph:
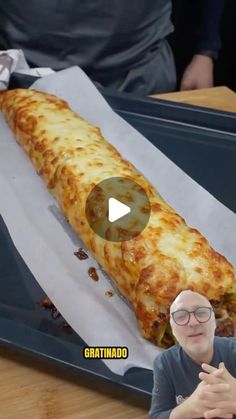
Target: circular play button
point(117, 209)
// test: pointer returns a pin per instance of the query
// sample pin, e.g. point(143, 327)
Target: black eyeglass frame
point(189, 315)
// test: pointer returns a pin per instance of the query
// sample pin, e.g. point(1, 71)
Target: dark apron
point(118, 43)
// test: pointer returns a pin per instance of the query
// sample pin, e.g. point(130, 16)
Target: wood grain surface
point(36, 389)
point(220, 98)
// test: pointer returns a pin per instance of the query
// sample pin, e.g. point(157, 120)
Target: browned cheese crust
point(150, 270)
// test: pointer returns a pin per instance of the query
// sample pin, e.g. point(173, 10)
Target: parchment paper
point(47, 243)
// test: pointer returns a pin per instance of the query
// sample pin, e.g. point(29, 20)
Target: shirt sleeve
point(232, 356)
point(208, 28)
point(163, 397)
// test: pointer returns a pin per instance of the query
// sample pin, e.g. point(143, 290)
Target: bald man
point(196, 377)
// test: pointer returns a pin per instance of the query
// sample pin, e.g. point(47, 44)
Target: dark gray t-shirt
point(176, 375)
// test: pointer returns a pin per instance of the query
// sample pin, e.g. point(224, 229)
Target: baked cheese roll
point(149, 270)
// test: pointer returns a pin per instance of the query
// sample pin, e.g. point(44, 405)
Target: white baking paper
point(47, 244)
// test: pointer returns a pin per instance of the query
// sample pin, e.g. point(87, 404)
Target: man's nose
point(193, 321)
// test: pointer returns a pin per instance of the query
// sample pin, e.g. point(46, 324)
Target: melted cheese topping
point(150, 270)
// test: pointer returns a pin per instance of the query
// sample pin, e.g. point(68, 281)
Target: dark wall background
point(186, 17)
point(226, 64)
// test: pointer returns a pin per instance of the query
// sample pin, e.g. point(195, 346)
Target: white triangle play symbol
point(116, 210)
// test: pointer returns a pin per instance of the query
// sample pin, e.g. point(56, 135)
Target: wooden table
point(31, 388)
point(217, 97)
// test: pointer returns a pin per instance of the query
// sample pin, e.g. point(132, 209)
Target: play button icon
point(117, 209)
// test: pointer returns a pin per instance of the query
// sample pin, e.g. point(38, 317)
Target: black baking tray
point(202, 142)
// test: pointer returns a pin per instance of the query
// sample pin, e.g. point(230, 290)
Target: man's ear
point(172, 330)
point(173, 335)
point(215, 322)
point(171, 325)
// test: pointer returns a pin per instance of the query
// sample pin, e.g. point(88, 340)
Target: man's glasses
point(201, 314)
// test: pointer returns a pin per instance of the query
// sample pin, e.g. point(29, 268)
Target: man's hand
point(224, 399)
point(198, 404)
point(198, 74)
point(203, 400)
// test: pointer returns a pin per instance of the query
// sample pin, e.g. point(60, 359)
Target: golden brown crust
point(150, 270)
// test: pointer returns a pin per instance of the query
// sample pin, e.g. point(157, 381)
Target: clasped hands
point(216, 394)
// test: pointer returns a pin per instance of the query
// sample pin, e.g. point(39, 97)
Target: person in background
point(225, 66)
point(119, 44)
point(196, 377)
point(198, 26)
